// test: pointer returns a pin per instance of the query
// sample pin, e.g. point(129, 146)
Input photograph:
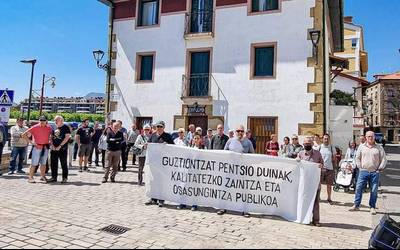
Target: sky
point(61, 35)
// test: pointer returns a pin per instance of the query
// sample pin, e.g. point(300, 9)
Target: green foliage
point(341, 98)
point(68, 117)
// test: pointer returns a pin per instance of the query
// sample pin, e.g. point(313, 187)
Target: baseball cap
point(42, 118)
point(160, 123)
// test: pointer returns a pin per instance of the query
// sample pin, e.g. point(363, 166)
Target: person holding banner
point(197, 145)
point(160, 136)
point(272, 147)
point(312, 155)
point(239, 144)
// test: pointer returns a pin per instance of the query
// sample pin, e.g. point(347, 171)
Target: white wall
point(285, 97)
point(345, 84)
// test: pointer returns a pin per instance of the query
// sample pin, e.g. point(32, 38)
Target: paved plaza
point(70, 216)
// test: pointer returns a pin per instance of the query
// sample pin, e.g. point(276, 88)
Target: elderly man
point(207, 139)
point(371, 160)
point(312, 155)
point(190, 134)
point(239, 144)
point(295, 147)
point(180, 140)
point(220, 139)
point(160, 136)
point(19, 146)
point(41, 134)
point(59, 149)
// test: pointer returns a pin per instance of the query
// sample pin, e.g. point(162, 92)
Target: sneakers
point(194, 208)
point(86, 169)
point(354, 209)
point(246, 215)
point(21, 172)
point(316, 224)
point(43, 179)
point(31, 181)
point(80, 170)
point(180, 207)
point(51, 180)
point(104, 180)
point(113, 180)
point(330, 202)
point(160, 203)
point(11, 173)
point(64, 181)
point(221, 212)
point(150, 202)
point(372, 211)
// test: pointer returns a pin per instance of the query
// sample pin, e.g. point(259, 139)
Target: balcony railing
point(197, 85)
point(199, 22)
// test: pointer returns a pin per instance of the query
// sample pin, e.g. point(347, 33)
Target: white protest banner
point(250, 183)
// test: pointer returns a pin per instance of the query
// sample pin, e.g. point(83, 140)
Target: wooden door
point(141, 121)
point(262, 129)
point(200, 121)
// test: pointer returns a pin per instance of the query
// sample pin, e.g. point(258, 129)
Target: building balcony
point(196, 88)
point(358, 122)
point(199, 24)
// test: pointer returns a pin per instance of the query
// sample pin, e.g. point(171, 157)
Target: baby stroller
point(344, 177)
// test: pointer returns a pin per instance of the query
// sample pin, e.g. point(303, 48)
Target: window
point(148, 12)
point(263, 60)
point(264, 5)
point(145, 67)
point(354, 43)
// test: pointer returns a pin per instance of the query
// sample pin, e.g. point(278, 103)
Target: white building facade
point(209, 62)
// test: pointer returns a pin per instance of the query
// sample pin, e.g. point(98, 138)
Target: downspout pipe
point(324, 66)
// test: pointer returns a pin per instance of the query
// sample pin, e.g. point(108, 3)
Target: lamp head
point(315, 35)
point(98, 55)
point(32, 61)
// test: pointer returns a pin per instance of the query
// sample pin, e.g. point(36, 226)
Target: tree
point(342, 98)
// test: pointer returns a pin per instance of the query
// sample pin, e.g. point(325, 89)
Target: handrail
point(199, 22)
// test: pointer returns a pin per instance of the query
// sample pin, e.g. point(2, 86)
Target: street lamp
point(33, 62)
point(98, 57)
point(315, 36)
point(52, 84)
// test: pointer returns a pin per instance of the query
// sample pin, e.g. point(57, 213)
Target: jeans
point(142, 161)
point(365, 177)
point(17, 152)
point(61, 155)
point(124, 156)
point(76, 147)
point(103, 158)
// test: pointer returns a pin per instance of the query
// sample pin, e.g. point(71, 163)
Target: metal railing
point(196, 85)
point(199, 22)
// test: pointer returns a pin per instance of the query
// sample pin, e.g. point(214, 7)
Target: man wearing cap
point(19, 146)
point(295, 147)
point(220, 139)
point(160, 136)
point(141, 143)
point(41, 143)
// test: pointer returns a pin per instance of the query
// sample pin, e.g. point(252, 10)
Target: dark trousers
point(76, 147)
point(95, 150)
point(142, 160)
point(1, 150)
point(103, 158)
point(128, 150)
point(124, 156)
point(316, 207)
point(61, 155)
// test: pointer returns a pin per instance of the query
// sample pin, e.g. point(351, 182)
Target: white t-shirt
point(180, 142)
point(327, 155)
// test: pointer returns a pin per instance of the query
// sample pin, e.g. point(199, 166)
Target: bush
point(68, 117)
point(341, 98)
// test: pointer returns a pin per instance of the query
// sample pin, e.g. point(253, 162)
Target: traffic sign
point(4, 114)
point(6, 97)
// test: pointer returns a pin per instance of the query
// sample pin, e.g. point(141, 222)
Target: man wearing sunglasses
point(295, 147)
point(160, 136)
point(239, 144)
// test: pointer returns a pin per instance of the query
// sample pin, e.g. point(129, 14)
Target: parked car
point(379, 137)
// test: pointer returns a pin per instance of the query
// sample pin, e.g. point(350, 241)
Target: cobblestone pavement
point(70, 216)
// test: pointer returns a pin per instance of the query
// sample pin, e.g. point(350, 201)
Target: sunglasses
point(239, 131)
point(160, 126)
point(180, 132)
point(295, 139)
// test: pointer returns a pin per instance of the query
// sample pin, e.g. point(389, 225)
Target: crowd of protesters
point(115, 143)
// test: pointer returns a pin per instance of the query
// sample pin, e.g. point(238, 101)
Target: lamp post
point(33, 62)
point(98, 57)
point(44, 81)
